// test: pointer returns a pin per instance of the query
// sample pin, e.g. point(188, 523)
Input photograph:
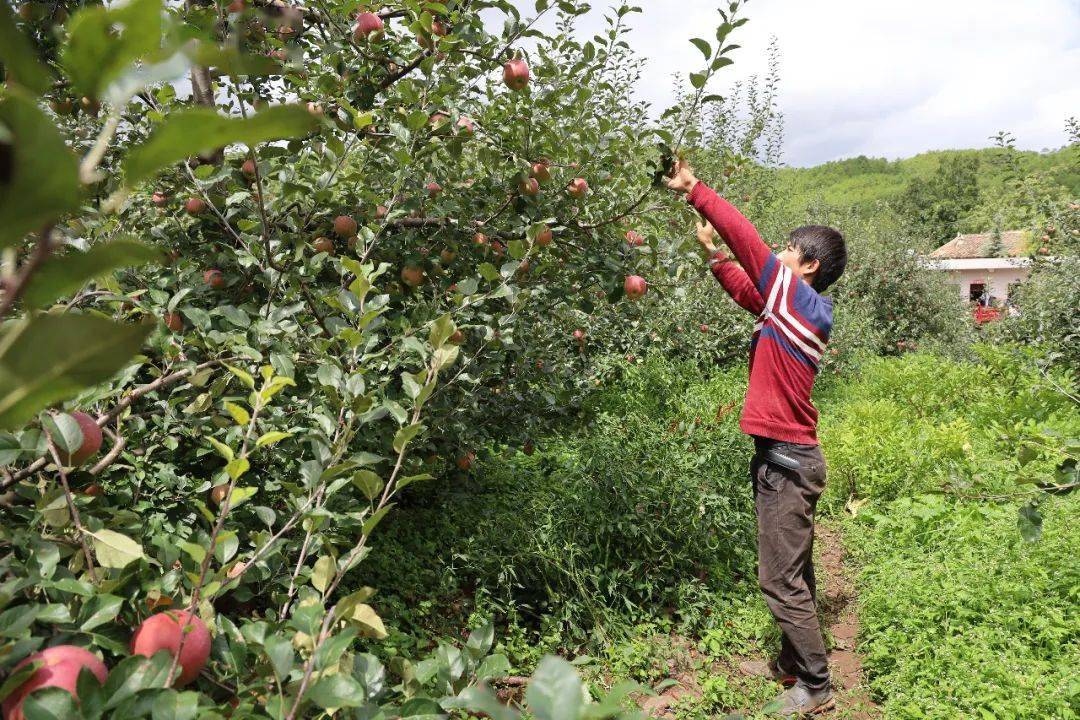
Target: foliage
point(960, 616)
point(269, 393)
point(937, 204)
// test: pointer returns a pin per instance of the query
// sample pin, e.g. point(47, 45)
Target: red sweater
point(791, 332)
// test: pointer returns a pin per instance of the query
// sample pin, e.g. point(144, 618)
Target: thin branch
point(71, 507)
point(17, 286)
point(119, 442)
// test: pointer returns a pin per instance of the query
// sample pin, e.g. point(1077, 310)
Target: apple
point(248, 168)
point(195, 206)
point(480, 239)
point(635, 286)
point(324, 245)
point(63, 106)
point(529, 186)
point(543, 238)
point(466, 126)
point(369, 26)
point(524, 265)
point(579, 335)
point(91, 441)
point(381, 211)
point(344, 226)
point(704, 328)
point(578, 188)
point(412, 276)
point(218, 493)
point(214, 278)
point(447, 256)
point(541, 171)
point(26, 12)
point(633, 239)
point(433, 189)
point(279, 55)
point(236, 6)
point(159, 199)
point(438, 27)
point(516, 74)
point(315, 109)
point(60, 667)
point(457, 337)
point(93, 490)
point(438, 119)
point(466, 461)
point(174, 322)
point(164, 631)
point(528, 448)
point(90, 106)
point(497, 248)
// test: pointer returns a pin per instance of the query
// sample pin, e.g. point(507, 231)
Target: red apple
point(541, 171)
point(633, 239)
point(433, 189)
point(236, 6)
point(438, 27)
point(214, 278)
point(438, 119)
point(324, 245)
point(315, 109)
point(63, 106)
point(369, 26)
point(635, 286)
point(412, 275)
point(457, 337)
point(543, 238)
point(61, 665)
point(704, 328)
point(159, 199)
point(195, 206)
point(174, 322)
point(381, 211)
point(528, 448)
point(164, 631)
point(480, 239)
point(344, 226)
point(529, 186)
point(218, 493)
point(466, 461)
point(497, 247)
point(516, 74)
point(447, 256)
point(578, 187)
point(248, 168)
point(91, 442)
point(579, 335)
point(465, 126)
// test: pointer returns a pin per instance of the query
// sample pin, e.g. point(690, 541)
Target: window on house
point(975, 291)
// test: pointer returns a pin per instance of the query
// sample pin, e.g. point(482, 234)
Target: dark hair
point(824, 244)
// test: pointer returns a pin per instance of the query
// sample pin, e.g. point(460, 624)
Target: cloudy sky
point(883, 77)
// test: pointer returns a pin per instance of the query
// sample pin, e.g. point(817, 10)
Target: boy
point(788, 469)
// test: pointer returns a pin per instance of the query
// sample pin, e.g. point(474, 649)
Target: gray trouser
point(785, 500)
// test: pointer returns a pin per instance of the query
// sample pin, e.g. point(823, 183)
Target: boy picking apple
point(788, 468)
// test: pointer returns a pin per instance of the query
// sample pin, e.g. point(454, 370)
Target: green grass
point(963, 618)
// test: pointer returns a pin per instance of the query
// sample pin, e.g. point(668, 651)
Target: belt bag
point(778, 458)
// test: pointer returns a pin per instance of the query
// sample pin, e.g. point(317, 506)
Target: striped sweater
point(792, 330)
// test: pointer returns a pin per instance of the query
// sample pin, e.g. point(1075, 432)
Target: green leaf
point(323, 572)
point(367, 620)
point(199, 130)
point(698, 80)
point(244, 375)
point(236, 469)
point(1030, 522)
point(480, 699)
point(18, 57)
point(368, 483)
point(239, 414)
point(114, 550)
point(172, 705)
point(51, 703)
point(65, 431)
point(441, 330)
point(488, 271)
point(60, 276)
point(375, 519)
point(197, 552)
point(223, 450)
point(104, 42)
point(337, 691)
point(703, 46)
point(405, 434)
point(272, 437)
point(280, 651)
point(99, 610)
point(406, 481)
point(41, 180)
point(49, 358)
point(554, 693)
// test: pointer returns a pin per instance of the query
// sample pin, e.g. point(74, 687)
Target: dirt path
point(840, 616)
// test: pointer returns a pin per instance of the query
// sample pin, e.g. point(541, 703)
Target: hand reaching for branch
point(682, 179)
point(705, 237)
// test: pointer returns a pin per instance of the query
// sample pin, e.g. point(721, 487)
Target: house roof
point(1014, 243)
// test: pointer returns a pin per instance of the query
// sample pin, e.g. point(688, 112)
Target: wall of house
point(997, 279)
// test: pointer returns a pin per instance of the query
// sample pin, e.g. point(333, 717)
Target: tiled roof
point(1014, 243)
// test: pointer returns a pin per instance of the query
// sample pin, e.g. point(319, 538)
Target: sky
point(881, 77)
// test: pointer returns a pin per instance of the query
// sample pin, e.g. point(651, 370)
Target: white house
point(966, 259)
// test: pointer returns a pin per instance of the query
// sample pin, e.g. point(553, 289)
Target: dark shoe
point(771, 670)
point(800, 701)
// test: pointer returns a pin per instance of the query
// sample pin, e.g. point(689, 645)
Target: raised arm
point(738, 232)
point(733, 278)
